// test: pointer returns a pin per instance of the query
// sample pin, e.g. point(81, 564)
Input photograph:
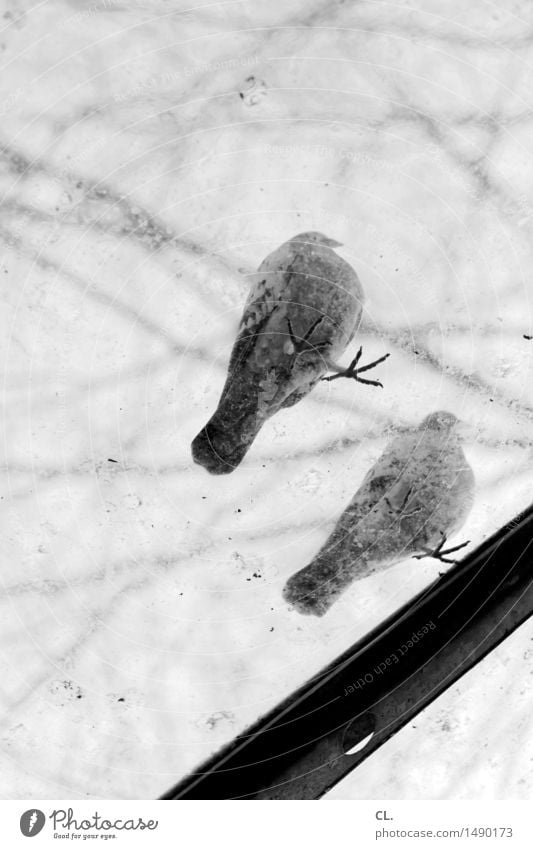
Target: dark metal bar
point(298, 750)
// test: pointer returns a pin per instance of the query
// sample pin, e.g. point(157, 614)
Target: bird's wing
point(264, 301)
point(269, 283)
point(291, 298)
point(388, 469)
point(431, 488)
point(379, 482)
point(268, 303)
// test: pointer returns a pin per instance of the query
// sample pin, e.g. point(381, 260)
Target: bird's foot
point(400, 509)
point(302, 345)
point(354, 372)
point(439, 552)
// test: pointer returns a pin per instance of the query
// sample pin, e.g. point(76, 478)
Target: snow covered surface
point(151, 159)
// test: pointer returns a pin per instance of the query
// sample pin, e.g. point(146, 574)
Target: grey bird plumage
point(418, 492)
point(303, 310)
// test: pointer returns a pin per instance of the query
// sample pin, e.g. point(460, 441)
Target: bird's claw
point(354, 372)
point(302, 345)
point(400, 511)
point(439, 552)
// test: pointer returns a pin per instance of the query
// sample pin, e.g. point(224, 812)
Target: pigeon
point(419, 492)
point(304, 307)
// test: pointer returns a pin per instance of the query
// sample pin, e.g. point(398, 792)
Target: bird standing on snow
point(303, 310)
point(419, 491)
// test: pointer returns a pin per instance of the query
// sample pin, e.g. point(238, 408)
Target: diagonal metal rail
point(301, 749)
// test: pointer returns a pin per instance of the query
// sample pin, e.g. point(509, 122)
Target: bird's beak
point(332, 243)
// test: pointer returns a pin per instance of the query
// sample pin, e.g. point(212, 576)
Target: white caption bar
point(216, 824)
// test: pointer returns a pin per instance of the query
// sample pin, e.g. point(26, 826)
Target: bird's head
point(313, 237)
point(441, 420)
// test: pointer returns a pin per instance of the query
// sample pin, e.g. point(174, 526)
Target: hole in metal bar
point(358, 733)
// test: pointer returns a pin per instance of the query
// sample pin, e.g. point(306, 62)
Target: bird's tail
point(314, 589)
point(220, 448)
point(357, 548)
point(223, 443)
